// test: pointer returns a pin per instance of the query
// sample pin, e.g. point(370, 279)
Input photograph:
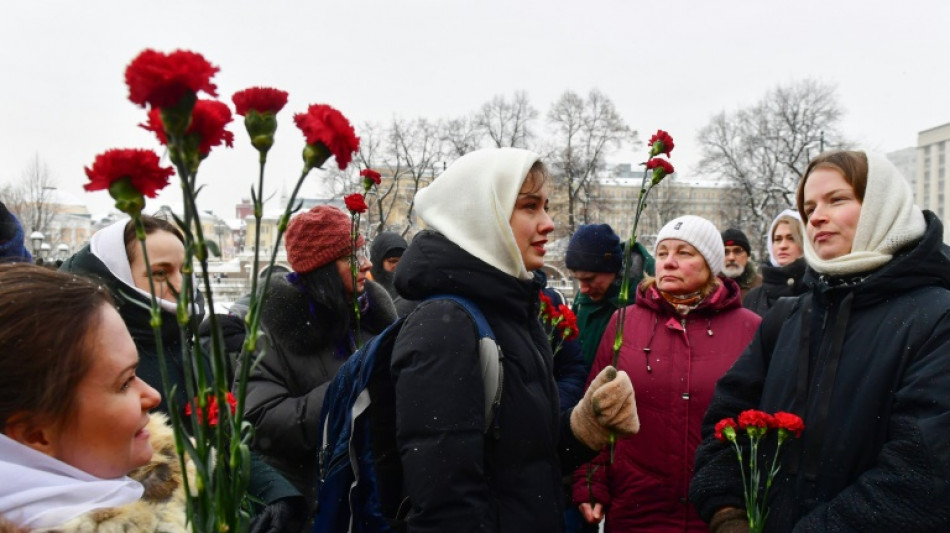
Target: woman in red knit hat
point(308, 320)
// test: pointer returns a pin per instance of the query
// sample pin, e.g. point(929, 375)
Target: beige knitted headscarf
point(889, 220)
point(472, 201)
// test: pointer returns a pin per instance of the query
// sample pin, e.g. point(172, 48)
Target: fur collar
point(162, 506)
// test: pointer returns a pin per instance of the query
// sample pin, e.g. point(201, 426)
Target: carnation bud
point(315, 155)
point(261, 128)
point(128, 199)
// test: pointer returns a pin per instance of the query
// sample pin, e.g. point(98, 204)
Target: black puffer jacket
point(457, 477)
point(777, 282)
point(875, 453)
point(285, 390)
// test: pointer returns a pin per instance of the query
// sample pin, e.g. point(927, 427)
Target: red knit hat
point(317, 237)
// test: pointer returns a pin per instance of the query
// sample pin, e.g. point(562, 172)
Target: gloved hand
point(286, 515)
point(729, 520)
point(608, 404)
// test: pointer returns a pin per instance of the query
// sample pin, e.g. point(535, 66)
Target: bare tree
point(585, 132)
point(764, 149)
point(417, 149)
point(460, 136)
point(31, 199)
point(374, 153)
point(507, 123)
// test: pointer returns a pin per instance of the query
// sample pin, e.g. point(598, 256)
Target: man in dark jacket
point(594, 257)
point(739, 265)
point(385, 253)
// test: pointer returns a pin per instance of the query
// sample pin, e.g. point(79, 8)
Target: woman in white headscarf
point(786, 275)
point(488, 227)
point(863, 358)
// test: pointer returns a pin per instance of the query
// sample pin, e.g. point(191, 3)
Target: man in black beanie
point(738, 265)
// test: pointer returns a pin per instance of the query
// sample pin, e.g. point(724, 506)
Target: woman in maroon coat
point(685, 330)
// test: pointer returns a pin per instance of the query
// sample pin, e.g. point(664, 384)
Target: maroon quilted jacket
point(674, 363)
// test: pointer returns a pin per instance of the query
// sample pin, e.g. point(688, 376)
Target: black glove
point(287, 515)
point(729, 520)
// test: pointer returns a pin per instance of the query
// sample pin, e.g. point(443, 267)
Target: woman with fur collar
point(74, 417)
point(309, 322)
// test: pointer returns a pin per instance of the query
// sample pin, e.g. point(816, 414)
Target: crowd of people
point(845, 323)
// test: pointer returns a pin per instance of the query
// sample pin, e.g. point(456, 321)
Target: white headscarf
point(38, 491)
point(108, 244)
point(889, 220)
point(472, 201)
point(792, 213)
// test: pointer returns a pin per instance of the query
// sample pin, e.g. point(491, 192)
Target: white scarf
point(38, 491)
point(108, 244)
point(889, 220)
point(801, 228)
point(472, 201)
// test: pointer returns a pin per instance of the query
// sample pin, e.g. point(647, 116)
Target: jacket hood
point(435, 265)
point(726, 296)
point(921, 264)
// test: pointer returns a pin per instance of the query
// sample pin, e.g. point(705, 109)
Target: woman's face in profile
point(105, 435)
point(166, 255)
point(531, 224)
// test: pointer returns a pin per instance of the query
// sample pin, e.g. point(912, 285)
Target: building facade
point(932, 190)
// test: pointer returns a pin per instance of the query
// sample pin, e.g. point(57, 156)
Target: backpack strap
point(489, 356)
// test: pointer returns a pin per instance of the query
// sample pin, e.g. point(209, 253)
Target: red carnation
point(789, 422)
point(661, 143)
point(208, 119)
point(140, 166)
point(355, 203)
point(755, 419)
point(162, 80)
point(546, 302)
point(660, 167)
point(371, 175)
point(568, 323)
point(260, 99)
point(213, 408)
point(325, 125)
point(726, 429)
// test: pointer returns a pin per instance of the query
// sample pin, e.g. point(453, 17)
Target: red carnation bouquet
point(757, 425)
point(559, 321)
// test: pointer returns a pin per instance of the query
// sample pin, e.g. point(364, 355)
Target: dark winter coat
point(12, 239)
point(777, 282)
point(875, 453)
point(457, 477)
point(646, 487)
point(285, 390)
point(570, 372)
point(266, 485)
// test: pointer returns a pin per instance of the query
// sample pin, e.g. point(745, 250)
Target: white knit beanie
point(701, 234)
point(472, 201)
point(889, 221)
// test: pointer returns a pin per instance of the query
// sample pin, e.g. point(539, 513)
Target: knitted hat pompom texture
point(317, 237)
point(594, 248)
point(701, 234)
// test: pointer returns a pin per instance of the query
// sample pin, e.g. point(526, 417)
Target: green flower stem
point(156, 323)
point(354, 235)
point(623, 298)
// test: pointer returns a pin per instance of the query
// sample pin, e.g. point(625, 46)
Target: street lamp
point(36, 238)
point(62, 251)
point(45, 250)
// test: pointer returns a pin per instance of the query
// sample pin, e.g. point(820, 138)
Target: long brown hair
point(46, 319)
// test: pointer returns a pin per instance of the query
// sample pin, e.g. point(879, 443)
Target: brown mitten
point(584, 423)
point(729, 520)
point(616, 406)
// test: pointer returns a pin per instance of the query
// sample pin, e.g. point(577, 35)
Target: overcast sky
point(669, 65)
